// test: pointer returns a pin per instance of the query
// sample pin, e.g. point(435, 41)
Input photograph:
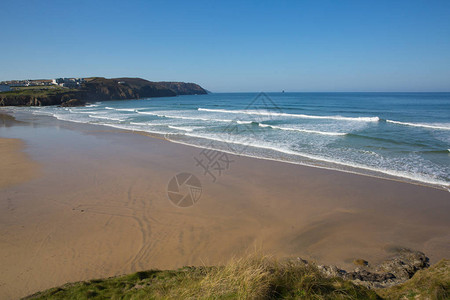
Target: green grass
point(37, 91)
point(254, 277)
point(37, 87)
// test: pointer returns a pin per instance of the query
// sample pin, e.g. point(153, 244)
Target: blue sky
point(233, 45)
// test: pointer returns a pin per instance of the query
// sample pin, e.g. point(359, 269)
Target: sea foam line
point(133, 129)
point(105, 118)
point(84, 111)
point(147, 124)
point(253, 112)
point(126, 109)
point(181, 117)
point(181, 128)
point(64, 118)
point(400, 174)
point(304, 130)
point(123, 109)
point(419, 125)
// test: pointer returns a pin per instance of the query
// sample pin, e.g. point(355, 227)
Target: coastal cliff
point(98, 89)
point(182, 88)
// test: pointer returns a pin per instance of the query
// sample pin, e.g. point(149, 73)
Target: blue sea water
point(404, 136)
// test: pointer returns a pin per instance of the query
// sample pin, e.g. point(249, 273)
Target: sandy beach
point(15, 167)
point(83, 201)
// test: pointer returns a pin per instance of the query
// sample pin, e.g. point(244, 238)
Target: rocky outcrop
point(396, 270)
point(9, 99)
point(73, 103)
point(404, 265)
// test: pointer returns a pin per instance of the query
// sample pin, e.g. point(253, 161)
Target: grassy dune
point(253, 277)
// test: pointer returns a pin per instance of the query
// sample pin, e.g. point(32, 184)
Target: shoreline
point(102, 210)
point(392, 178)
point(351, 169)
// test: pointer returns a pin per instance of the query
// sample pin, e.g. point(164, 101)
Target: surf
point(303, 116)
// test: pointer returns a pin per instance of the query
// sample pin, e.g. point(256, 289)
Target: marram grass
point(252, 277)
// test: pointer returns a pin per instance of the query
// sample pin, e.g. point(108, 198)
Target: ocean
point(402, 136)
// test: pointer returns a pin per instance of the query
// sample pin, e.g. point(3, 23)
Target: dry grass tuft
point(244, 278)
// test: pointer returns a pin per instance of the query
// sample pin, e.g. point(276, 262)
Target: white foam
point(126, 109)
point(65, 118)
point(431, 126)
point(268, 113)
point(147, 124)
point(182, 117)
point(106, 118)
point(181, 128)
point(45, 113)
point(112, 108)
point(84, 112)
point(124, 127)
point(303, 130)
point(139, 123)
point(147, 113)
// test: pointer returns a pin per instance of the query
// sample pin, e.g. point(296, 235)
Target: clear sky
point(231, 46)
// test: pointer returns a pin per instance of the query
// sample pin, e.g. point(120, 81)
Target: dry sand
point(100, 208)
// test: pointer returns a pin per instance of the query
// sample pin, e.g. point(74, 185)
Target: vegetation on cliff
point(98, 89)
point(123, 88)
point(182, 88)
point(254, 277)
point(37, 96)
point(431, 283)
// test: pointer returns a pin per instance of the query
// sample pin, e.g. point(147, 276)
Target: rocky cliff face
point(182, 88)
point(73, 103)
point(123, 88)
point(102, 89)
point(29, 99)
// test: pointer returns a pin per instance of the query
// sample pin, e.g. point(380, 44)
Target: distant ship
point(282, 91)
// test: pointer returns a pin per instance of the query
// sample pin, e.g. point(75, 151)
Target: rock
point(365, 275)
point(332, 271)
point(395, 270)
point(405, 264)
point(360, 262)
point(302, 261)
point(73, 103)
point(65, 98)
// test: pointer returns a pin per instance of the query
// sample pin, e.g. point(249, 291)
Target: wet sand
point(100, 208)
point(15, 166)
